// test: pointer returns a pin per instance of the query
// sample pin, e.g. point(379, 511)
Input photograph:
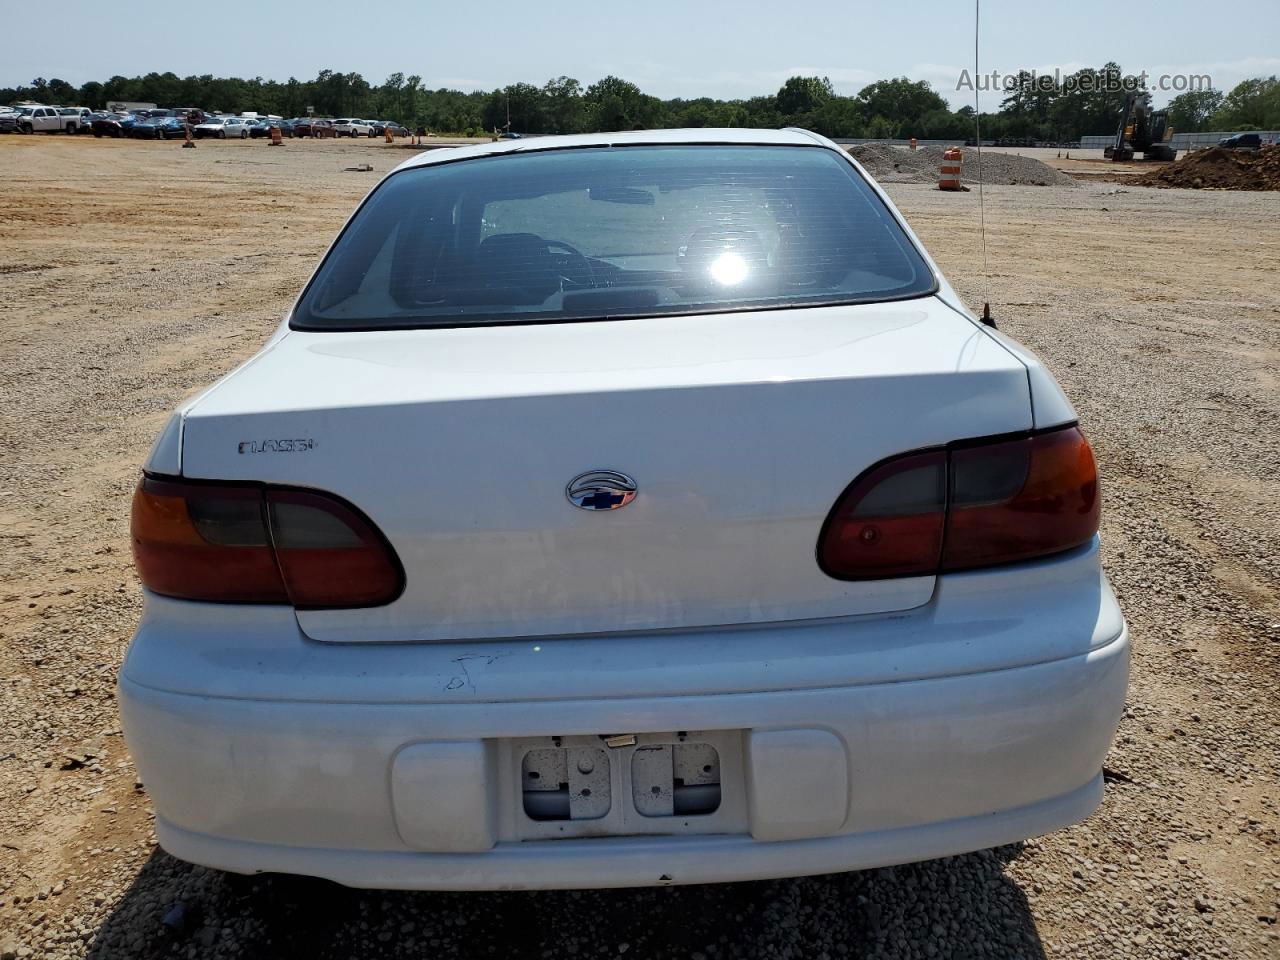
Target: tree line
point(893, 108)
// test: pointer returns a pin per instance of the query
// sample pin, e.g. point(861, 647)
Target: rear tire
point(244, 134)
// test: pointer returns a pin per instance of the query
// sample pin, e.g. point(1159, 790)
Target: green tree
point(563, 106)
point(1190, 112)
point(1251, 105)
point(91, 95)
point(517, 107)
point(837, 117)
point(801, 95)
point(615, 104)
point(898, 104)
point(881, 128)
point(945, 125)
point(409, 112)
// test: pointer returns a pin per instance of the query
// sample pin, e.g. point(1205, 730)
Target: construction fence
point(1184, 141)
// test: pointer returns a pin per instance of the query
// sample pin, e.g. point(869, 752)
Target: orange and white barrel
point(949, 170)
point(914, 143)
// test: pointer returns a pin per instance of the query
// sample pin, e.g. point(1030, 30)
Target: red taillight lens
point(329, 554)
point(228, 543)
point(975, 504)
point(891, 521)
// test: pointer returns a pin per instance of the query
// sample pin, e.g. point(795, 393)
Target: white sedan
point(224, 127)
point(621, 509)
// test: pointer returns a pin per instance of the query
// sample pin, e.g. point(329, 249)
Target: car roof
point(698, 135)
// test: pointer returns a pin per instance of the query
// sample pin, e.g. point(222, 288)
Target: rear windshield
point(612, 232)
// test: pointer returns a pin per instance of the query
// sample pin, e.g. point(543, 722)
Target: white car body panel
point(225, 126)
point(459, 443)
point(46, 120)
point(349, 128)
point(264, 751)
point(858, 724)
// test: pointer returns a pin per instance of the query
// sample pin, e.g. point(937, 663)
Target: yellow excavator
point(1142, 130)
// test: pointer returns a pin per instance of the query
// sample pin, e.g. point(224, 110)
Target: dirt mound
point(890, 164)
point(1220, 169)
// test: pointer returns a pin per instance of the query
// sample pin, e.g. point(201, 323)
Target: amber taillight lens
point(975, 504)
point(1020, 499)
point(241, 543)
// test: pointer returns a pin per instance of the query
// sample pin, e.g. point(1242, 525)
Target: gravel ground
point(136, 273)
point(890, 164)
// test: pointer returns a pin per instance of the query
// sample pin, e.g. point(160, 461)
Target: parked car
point(1242, 141)
point(160, 128)
point(223, 127)
point(510, 135)
point(114, 124)
point(649, 495)
point(9, 122)
point(312, 127)
point(380, 127)
point(287, 127)
point(262, 127)
point(87, 122)
point(351, 128)
point(44, 120)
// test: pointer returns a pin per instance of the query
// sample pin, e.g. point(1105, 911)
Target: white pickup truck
point(47, 120)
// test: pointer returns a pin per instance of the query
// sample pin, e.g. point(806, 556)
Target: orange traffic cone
point(914, 143)
point(949, 170)
point(390, 136)
point(189, 143)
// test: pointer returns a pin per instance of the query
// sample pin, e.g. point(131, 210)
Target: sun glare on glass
point(728, 269)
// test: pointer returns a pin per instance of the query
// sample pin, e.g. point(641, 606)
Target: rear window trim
point(525, 321)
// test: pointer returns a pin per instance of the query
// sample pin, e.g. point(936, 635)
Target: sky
point(670, 48)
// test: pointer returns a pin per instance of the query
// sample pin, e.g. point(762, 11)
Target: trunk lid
point(740, 431)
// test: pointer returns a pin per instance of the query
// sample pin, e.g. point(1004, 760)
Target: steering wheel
point(574, 254)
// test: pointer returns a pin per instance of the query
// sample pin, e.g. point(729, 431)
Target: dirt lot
point(1087, 165)
point(135, 273)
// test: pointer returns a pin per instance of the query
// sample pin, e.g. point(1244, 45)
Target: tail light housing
point(973, 504)
point(242, 543)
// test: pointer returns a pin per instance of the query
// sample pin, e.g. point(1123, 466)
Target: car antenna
point(977, 139)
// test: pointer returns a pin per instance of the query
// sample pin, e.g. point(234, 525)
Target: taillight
point(975, 504)
point(239, 543)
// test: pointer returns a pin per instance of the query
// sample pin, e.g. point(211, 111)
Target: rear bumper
point(635, 861)
point(917, 737)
